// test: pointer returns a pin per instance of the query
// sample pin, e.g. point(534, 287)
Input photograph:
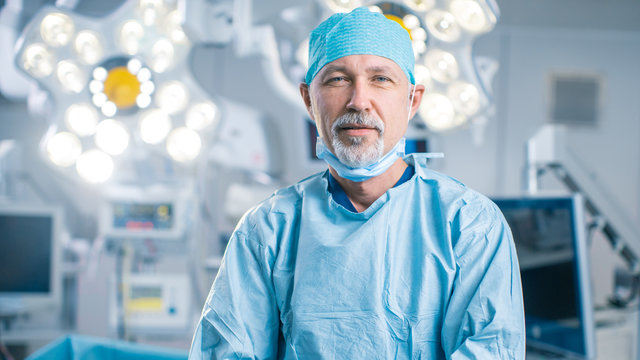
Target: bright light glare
point(465, 98)
point(56, 29)
point(70, 76)
point(437, 112)
point(470, 15)
point(131, 33)
point(63, 148)
point(96, 86)
point(411, 22)
point(38, 60)
point(109, 109)
point(112, 137)
point(343, 5)
point(183, 144)
point(173, 27)
point(154, 126)
point(420, 5)
point(150, 10)
point(172, 97)
point(201, 116)
point(88, 47)
point(134, 65)
point(143, 101)
point(442, 65)
point(443, 25)
point(144, 75)
point(94, 166)
point(423, 76)
point(99, 99)
point(100, 73)
point(81, 119)
point(162, 55)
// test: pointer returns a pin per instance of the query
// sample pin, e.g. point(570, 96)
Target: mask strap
point(413, 93)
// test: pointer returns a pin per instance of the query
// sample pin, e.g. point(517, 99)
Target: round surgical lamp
point(117, 82)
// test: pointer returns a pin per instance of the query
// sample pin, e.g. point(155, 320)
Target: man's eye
point(337, 79)
point(382, 78)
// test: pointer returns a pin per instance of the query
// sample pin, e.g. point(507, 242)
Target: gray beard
point(353, 152)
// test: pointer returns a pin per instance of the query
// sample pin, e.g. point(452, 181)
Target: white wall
point(611, 149)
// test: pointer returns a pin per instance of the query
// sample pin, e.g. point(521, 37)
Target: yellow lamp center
point(121, 87)
point(399, 21)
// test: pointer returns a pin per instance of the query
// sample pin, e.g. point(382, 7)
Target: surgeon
point(378, 257)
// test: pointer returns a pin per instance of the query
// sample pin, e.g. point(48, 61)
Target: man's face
point(360, 104)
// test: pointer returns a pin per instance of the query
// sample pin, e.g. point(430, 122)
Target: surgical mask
point(363, 173)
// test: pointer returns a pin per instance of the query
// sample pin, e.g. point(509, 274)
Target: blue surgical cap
point(360, 32)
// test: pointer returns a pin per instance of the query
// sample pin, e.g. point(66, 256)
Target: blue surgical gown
point(428, 271)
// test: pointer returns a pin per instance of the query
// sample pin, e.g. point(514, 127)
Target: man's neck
point(363, 194)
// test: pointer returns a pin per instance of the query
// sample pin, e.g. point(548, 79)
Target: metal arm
point(547, 150)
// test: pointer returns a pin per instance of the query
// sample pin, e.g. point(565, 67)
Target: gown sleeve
point(240, 319)
point(484, 318)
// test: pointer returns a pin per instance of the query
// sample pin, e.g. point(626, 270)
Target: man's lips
point(357, 130)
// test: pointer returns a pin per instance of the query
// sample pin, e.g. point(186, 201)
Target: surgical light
point(183, 144)
point(154, 126)
point(437, 112)
point(442, 25)
point(150, 10)
point(81, 118)
point(420, 5)
point(202, 115)
point(109, 108)
point(470, 15)
point(442, 34)
point(423, 76)
point(63, 148)
point(94, 166)
point(173, 27)
point(162, 54)
point(465, 98)
point(131, 33)
point(99, 99)
point(172, 97)
point(442, 65)
point(56, 29)
point(343, 5)
point(38, 60)
point(100, 72)
point(71, 77)
point(88, 47)
point(112, 137)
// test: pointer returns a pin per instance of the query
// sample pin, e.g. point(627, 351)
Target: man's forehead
point(367, 63)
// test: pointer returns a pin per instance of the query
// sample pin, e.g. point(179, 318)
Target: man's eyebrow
point(332, 68)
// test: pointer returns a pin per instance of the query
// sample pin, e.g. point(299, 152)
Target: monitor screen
point(549, 235)
point(28, 256)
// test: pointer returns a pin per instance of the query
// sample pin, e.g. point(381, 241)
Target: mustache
point(357, 118)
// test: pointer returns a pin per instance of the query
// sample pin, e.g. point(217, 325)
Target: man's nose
point(360, 97)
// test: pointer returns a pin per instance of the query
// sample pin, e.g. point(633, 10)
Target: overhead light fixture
point(442, 34)
point(106, 96)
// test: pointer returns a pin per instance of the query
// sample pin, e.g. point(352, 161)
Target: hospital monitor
point(29, 257)
point(549, 234)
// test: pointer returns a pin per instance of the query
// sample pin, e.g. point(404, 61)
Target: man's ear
point(417, 99)
point(306, 97)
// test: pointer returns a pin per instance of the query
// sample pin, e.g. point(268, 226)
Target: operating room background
point(532, 41)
